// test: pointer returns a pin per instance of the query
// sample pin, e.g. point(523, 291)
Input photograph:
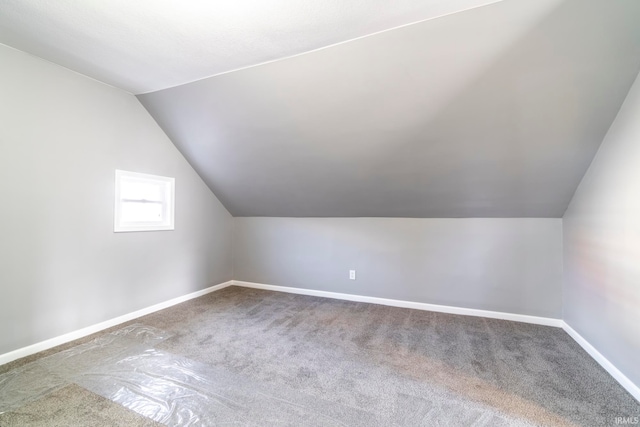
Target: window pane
point(139, 190)
point(143, 202)
point(141, 212)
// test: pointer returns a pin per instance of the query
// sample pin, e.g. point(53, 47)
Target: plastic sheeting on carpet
point(178, 391)
point(48, 374)
point(124, 367)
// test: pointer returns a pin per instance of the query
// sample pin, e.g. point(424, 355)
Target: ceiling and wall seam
point(151, 45)
point(365, 129)
point(324, 47)
point(599, 147)
point(492, 110)
point(66, 68)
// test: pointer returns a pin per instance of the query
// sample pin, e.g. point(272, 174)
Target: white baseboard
point(546, 321)
point(63, 339)
point(625, 382)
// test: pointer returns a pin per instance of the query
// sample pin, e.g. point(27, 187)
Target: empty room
point(320, 213)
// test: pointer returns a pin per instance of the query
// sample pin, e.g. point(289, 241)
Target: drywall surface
point(147, 45)
point(493, 112)
point(602, 245)
point(509, 265)
point(62, 267)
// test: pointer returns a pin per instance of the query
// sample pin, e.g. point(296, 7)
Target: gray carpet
point(265, 358)
point(74, 406)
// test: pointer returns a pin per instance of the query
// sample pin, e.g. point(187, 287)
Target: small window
point(143, 202)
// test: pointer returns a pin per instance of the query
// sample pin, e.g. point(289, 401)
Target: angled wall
point(62, 267)
point(493, 112)
point(511, 265)
point(602, 245)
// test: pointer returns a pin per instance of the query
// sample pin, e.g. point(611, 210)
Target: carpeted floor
point(267, 358)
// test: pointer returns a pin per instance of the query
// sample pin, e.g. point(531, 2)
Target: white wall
point(62, 267)
point(602, 245)
point(511, 265)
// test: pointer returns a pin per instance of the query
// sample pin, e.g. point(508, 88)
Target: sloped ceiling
point(148, 45)
point(405, 108)
point(491, 112)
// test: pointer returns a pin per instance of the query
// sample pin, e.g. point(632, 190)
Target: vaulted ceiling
point(147, 45)
point(490, 109)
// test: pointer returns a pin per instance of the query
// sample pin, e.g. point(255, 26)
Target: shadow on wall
point(496, 111)
point(602, 246)
point(473, 116)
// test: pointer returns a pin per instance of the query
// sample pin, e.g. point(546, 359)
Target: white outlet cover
point(352, 274)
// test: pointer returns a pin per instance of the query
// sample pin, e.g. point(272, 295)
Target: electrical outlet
point(352, 274)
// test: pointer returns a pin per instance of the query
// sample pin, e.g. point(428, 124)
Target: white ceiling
point(147, 45)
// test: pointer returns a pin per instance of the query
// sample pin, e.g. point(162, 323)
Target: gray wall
point(509, 265)
point(62, 267)
point(602, 245)
point(493, 112)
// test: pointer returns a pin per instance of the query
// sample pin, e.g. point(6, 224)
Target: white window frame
point(168, 217)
